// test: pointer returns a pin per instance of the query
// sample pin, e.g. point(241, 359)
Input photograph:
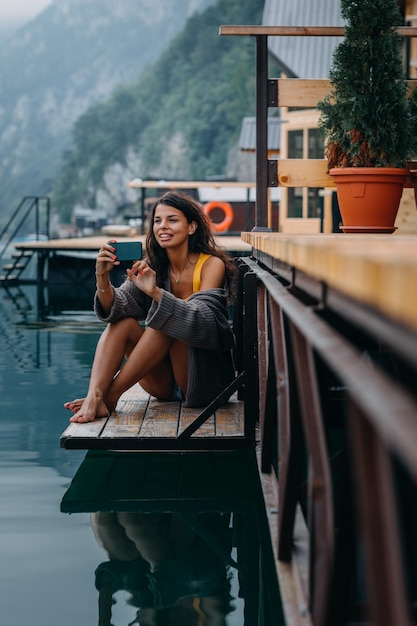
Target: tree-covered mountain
point(178, 121)
point(70, 57)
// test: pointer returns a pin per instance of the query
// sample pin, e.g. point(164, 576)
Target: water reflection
point(45, 357)
point(181, 537)
point(39, 302)
point(174, 567)
point(40, 309)
point(43, 554)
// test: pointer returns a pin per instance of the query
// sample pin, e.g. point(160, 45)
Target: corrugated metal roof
point(247, 139)
point(303, 57)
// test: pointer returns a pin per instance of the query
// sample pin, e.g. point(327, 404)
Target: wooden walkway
point(141, 422)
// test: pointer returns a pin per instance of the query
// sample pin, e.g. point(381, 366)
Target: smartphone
point(127, 250)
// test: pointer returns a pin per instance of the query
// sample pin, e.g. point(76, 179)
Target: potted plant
point(367, 119)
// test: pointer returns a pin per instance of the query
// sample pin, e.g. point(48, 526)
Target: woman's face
point(170, 226)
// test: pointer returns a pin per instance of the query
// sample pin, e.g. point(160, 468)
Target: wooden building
point(304, 209)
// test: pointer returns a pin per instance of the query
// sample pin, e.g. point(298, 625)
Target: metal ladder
point(30, 207)
point(13, 270)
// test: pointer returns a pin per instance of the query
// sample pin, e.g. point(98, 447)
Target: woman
point(180, 291)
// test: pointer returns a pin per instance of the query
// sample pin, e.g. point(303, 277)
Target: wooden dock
point(70, 261)
point(141, 422)
point(231, 243)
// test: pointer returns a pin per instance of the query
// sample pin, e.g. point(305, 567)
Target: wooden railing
point(331, 379)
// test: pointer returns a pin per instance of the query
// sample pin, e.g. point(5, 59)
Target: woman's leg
point(117, 340)
point(153, 359)
point(149, 363)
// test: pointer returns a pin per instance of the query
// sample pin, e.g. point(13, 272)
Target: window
point(295, 202)
point(315, 203)
point(305, 203)
point(295, 144)
point(315, 144)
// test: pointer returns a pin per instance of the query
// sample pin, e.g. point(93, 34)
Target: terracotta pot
point(369, 197)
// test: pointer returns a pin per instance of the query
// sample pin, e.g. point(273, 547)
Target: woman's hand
point(106, 259)
point(144, 277)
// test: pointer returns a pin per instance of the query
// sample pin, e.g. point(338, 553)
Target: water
point(49, 558)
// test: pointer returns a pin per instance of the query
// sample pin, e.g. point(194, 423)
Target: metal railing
point(333, 391)
point(40, 206)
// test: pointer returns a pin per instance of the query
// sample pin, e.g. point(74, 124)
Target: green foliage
point(58, 65)
point(367, 119)
point(201, 87)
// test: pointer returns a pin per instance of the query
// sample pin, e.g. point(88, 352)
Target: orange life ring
point(228, 215)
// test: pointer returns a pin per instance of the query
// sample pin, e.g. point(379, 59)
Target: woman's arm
point(111, 303)
point(201, 321)
point(105, 261)
point(127, 301)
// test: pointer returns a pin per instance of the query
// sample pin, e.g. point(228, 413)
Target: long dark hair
point(201, 240)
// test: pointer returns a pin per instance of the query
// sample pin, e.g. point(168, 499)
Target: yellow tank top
point(197, 271)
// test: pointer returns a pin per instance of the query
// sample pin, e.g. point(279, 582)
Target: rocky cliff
point(69, 58)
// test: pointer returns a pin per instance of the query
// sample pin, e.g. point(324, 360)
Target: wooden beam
point(299, 31)
point(312, 173)
point(294, 31)
point(299, 92)
point(303, 173)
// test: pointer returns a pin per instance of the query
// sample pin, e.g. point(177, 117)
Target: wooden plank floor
point(141, 422)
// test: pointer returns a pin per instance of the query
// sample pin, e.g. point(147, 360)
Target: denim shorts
point(177, 393)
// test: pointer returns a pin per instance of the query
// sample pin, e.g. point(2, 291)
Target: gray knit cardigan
point(201, 322)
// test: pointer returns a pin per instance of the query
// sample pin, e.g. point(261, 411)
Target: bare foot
point(75, 405)
point(88, 409)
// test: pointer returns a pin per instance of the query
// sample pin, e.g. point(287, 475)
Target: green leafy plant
point(367, 119)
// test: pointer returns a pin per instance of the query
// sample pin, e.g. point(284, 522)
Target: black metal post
point(37, 218)
point(142, 210)
point(261, 207)
point(48, 217)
